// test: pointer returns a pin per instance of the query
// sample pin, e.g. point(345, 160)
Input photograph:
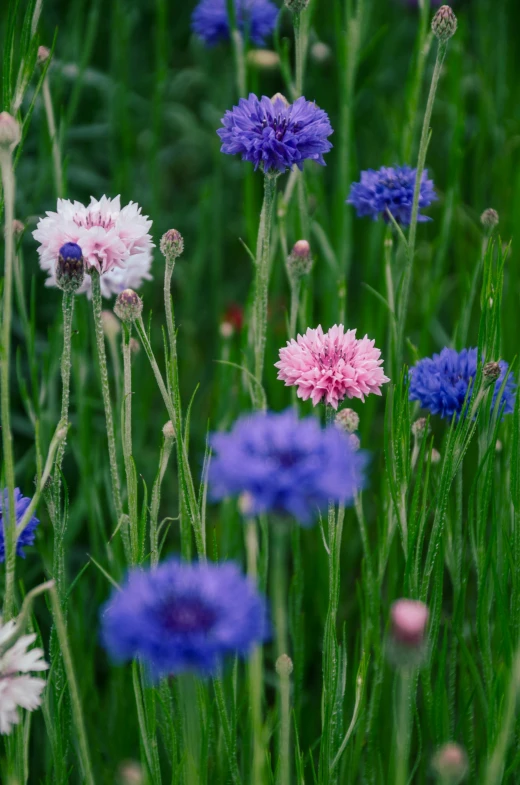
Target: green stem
point(262, 273)
point(156, 500)
point(284, 776)
point(240, 62)
point(77, 711)
point(403, 728)
point(496, 765)
point(105, 389)
point(255, 668)
point(51, 123)
point(423, 149)
point(280, 589)
point(299, 45)
point(227, 732)
point(131, 479)
point(295, 307)
point(8, 184)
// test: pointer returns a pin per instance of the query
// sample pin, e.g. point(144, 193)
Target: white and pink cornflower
point(331, 366)
point(115, 241)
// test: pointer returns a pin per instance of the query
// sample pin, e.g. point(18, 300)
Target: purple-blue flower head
point(184, 617)
point(441, 383)
point(27, 536)
point(285, 465)
point(256, 18)
point(274, 134)
point(391, 189)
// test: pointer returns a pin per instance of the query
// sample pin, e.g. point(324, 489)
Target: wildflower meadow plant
point(389, 192)
point(444, 382)
point(254, 18)
point(25, 537)
point(285, 465)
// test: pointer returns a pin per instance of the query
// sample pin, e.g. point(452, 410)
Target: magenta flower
point(331, 366)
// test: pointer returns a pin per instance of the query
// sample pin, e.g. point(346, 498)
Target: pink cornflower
point(331, 366)
point(114, 240)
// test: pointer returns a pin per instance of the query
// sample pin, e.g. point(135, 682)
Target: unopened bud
point(491, 372)
point(130, 773)
point(299, 261)
point(280, 97)
point(320, 52)
point(10, 133)
point(245, 504)
point(226, 330)
point(135, 346)
point(111, 325)
point(129, 306)
point(409, 620)
point(171, 245)
point(444, 23)
point(450, 764)
point(263, 59)
point(168, 431)
point(489, 219)
point(436, 456)
point(347, 420)
point(70, 269)
point(18, 227)
point(43, 55)
point(419, 426)
point(297, 6)
point(284, 666)
point(499, 446)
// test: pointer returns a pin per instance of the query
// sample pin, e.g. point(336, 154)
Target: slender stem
point(295, 307)
point(280, 589)
point(68, 311)
point(156, 500)
point(403, 728)
point(423, 149)
point(496, 765)
point(51, 122)
point(229, 741)
point(284, 776)
point(255, 668)
point(77, 711)
point(299, 45)
point(131, 479)
point(105, 389)
point(8, 184)
point(262, 273)
point(240, 62)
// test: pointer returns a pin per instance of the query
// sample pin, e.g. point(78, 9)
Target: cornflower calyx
point(296, 6)
point(171, 245)
point(299, 261)
point(129, 306)
point(444, 23)
point(347, 420)
point(10, 133)
point(491, 372)
point(70, 269)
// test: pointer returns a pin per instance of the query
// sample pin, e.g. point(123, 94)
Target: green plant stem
point(229, 741)
point(149, 744)
point(53, 134)
point(284, 769)
point(8, 184)
point(410, 249)
point(279, 589)
point(255, 668)
point(105, 389)
point(262, 273)
point(295, 306)
point(131, 479)
point(156, 500)
point(403, 728)
point(77, 711)
point(300, 46)
point(240, 62)
point(495, 768)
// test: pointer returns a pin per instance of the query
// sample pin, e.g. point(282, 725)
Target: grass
point(137, 101)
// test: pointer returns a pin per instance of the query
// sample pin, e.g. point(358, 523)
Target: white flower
point(17, 689)
point(114, 241)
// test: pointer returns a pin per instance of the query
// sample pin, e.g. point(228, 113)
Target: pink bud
point(409, 620)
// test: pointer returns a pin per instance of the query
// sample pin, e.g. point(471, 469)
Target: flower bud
point(281, 97)
point(168, 431)
point(70, 269)
point(320, 52)
point(226, 330)
point(129, 306)
point(171, 245)
point(111, 325)
point(444, 23)
point(10, 133)
point(43, 55)
point(436, 456)
point(450, 763)
point(347, 420)
point(491, 372)
point(420, 426)
point(299, 261)
point(297, 6)
point(263, 59)
point(409, 620)
point(284, 666)
point(130, 773)
point(135, 346)
point(489, 219)
point(18, 228)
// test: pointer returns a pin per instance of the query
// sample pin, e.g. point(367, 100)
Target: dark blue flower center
point(280, 124)
point(187, 615)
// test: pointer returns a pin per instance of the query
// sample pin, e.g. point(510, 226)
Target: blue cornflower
point(210, 20)
point(441, 383)
point(391, 189)
point(180, 617)
point(286, 465)
point(27, 537)
point(275, 134)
